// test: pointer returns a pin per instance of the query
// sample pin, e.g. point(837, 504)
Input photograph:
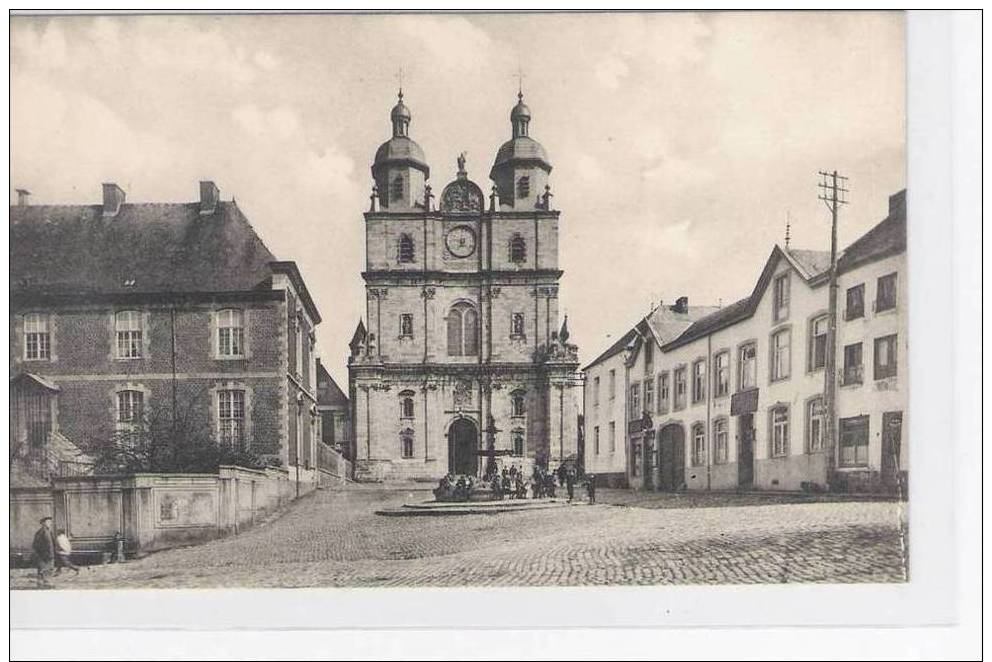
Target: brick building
point(462, 351)
point(123, 312)
point(335, 412)
point(735, 398)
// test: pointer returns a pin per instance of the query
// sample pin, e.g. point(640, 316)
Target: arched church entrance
point(671, 458)
point(463, 444)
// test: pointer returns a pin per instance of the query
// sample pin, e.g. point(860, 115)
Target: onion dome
point(400, 149)
point(521, 149)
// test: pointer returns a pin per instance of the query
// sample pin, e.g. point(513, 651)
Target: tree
point(167, 440)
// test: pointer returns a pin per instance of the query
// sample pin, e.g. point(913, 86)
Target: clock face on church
point(460, 241)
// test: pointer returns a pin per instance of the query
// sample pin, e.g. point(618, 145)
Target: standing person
point(561, 475)
point(513, 472)
point(591, 488)
point(570, 485)
point(44, 552)
point(63, 552)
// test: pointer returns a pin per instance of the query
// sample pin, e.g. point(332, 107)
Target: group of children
point(510, 482)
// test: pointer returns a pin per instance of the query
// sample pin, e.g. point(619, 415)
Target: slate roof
point(809, 263)
point(329, 394)
point(170, 247)
point(886, 238)
point(716, 320)
point(663, 322)
point(615, 348)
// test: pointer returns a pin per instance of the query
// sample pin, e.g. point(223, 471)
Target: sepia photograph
point(644, 323)
point(461, 300)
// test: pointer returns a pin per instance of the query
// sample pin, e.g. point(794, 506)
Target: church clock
point(460, 241)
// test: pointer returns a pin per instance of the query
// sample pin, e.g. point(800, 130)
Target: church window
point(518, 249)
point(406, 404)
point(396, 189)
point(523, 187)
point(406, 252)
point(518, 442)
point(406, 443)
point(517, 325)
point(463, 330)
point(518, 403)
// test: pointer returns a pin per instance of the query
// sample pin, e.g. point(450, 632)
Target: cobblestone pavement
point(333, 538)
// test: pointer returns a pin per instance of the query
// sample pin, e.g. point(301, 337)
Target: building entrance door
point(745, 451)
point(463, 446)
point(671, 458)
point(891, 447)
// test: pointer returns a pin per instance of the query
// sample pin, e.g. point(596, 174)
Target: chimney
point(897, 203)
point(23, 196)
point(681, 305)
point(113, 198)
point(209, 197)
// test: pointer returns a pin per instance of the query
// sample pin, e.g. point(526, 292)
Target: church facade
point(461, 362)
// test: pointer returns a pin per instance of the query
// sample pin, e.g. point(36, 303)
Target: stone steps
point(442, 508)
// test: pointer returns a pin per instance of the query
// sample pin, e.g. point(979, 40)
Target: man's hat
point(42, 520)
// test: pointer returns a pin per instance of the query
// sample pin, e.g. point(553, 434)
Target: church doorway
point(671, 457)
point(463, 444)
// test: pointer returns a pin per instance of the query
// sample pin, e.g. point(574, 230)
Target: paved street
point(333, 538)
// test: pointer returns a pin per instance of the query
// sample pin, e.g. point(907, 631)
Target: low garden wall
point(148, 512)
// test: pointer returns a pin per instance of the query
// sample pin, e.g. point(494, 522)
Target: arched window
point(406, 443)
point(523, 187)
point(230, 333)
point(517, 325)
point(406, 404)
point(127, 325)
point(720, 441)
point(518, 404)
point(130, 410)
point(518, 249)
point(396, 189)
point(406, 252)
point(698, 445)
point(463, 330)
point(779, 436)
point(518, 441)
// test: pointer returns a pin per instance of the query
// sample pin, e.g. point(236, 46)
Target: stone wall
point(151, 512)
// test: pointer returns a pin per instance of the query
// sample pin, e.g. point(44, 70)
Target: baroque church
point(462, 363)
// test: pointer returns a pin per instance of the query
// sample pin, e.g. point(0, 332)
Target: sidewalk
point(712, 499)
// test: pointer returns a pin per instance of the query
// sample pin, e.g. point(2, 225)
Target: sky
point(681, 142)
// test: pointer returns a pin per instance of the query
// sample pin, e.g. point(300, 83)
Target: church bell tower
point(461, 362)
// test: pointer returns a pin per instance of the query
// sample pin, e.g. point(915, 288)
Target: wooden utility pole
point(832, 192)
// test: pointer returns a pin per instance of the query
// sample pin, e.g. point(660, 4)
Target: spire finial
point(399, 77)
point(520, 83)
point(788, 228)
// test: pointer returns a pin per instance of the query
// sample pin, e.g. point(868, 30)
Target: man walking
point(44, 552)
point(570, 484)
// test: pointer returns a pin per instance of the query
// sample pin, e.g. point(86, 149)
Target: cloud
point(276, 124)
point(677, 138)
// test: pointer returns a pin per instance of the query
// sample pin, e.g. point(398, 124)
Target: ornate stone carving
point(461, 195)
point(378, 292)
point(428, 292)
point(463, 393)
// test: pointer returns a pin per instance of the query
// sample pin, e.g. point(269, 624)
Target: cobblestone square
point(335, 539)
